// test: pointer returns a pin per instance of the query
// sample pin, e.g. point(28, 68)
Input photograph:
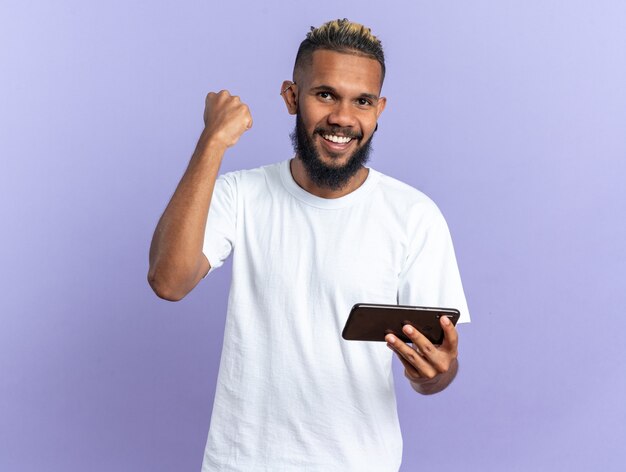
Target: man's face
point(337, 105)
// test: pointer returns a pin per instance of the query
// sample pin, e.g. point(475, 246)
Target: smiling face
point(337, 103)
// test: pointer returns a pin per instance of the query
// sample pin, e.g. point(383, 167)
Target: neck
point(298, 171)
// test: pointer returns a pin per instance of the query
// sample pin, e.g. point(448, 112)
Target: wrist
point(210, 146)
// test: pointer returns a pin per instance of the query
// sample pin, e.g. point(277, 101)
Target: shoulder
point(252, 176)
point(246, 180)
point(406, 199)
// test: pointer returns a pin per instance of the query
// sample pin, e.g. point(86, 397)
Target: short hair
point(341, 36)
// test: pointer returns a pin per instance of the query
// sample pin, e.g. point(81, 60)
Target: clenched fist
point(226, 118)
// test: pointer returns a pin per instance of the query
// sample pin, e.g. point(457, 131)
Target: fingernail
point(408, 329)
point(390, 338)
point(445, 320)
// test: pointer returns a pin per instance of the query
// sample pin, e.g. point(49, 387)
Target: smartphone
point(371, 322)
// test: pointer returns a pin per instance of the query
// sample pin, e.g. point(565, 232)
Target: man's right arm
point(177, 263)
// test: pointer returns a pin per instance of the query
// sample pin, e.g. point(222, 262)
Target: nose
point(342, 115)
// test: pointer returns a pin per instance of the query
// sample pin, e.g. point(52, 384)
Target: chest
point(357, 251)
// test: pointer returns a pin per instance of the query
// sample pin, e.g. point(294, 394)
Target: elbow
point(163, 289)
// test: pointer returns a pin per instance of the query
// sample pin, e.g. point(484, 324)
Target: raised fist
point(226, 117)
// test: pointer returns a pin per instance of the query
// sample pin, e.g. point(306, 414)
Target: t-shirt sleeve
point(220, 231)
point(431, 276)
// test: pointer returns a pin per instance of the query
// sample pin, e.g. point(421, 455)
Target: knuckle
point(412, 355)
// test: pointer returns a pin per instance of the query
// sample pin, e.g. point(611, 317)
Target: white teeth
point(337, 139)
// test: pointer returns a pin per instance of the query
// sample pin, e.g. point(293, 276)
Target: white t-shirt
point(292, 394)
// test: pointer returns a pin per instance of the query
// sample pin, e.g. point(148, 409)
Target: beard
point(323, 175)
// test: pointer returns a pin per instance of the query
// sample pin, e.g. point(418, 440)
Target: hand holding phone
point(372, 322)
point(430, 362)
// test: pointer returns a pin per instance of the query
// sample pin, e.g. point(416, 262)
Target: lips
point(336, 146)
point(337, 139)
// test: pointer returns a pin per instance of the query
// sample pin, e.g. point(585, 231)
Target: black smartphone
point(371, 322)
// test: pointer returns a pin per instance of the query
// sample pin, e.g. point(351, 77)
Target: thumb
point(451, 338)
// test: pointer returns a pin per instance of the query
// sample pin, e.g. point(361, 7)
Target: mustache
point(347, 132)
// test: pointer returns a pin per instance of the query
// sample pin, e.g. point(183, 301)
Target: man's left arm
point(429, 368)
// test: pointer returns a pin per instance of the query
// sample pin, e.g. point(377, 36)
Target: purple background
point(510, 115)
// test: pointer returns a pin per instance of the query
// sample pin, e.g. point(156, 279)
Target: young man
point(311, 236)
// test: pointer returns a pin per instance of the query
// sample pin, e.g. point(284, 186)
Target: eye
point(363, 102)
point(326, 96)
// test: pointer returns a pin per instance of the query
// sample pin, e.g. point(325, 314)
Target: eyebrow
point(328, 88)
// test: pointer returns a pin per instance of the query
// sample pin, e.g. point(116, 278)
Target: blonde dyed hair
point(342, 36)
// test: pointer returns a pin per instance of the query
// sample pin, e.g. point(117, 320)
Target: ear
point(380, 106)
point(289, 92)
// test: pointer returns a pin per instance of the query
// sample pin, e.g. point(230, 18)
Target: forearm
point(427, 386)
point(176, 260)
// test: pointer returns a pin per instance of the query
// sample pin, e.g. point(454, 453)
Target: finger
point(450, 335)
point(249, 122)
point(409, 371)
point(437, 357)
point(420, 341)
point(415, 359)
